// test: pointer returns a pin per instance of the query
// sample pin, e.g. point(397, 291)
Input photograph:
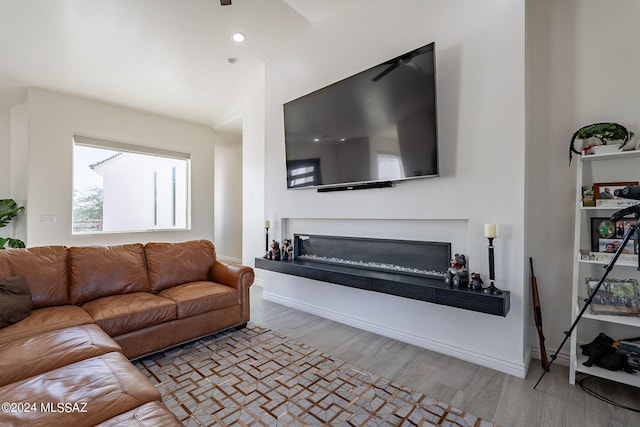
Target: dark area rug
point(255, 377)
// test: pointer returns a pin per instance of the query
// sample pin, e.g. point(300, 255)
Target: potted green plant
point(599, 134)
point(8, 211)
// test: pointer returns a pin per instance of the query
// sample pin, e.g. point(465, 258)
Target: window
point(120, 187)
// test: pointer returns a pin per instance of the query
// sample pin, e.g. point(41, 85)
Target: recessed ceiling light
point(238, 37)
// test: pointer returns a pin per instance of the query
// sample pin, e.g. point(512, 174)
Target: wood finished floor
point(492, 395)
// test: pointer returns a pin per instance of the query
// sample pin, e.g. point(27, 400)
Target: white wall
point(19, 167)
point(5, 153)
point(481, 107)
point(253, 180)
point(228, 197)
point(54, 118)
point(582, 67)
point(5, 165)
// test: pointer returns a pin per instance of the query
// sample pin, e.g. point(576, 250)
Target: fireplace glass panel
point(405, 256)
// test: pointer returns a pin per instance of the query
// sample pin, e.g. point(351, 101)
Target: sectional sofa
point(65, 360)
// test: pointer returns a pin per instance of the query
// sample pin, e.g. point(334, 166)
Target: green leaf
point(8, 210)
point(8, 242)
point(606, 132)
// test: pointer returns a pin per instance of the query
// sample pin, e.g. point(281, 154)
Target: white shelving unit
point(611, 167)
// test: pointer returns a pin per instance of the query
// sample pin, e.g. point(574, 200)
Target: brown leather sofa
point(94, 307)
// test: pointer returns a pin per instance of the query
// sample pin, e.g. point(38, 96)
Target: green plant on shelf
point(603, 133)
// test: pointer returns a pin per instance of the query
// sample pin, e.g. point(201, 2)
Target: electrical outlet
point(47, 219)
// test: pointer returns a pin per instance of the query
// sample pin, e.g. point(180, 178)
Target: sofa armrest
point(236, 276)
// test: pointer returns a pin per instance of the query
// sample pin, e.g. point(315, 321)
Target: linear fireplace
point(399, 256)
point(410, 269)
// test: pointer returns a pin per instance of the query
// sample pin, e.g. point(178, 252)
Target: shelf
point(617, 264)
point(617, 166)
point(625, 260)
point(602, 208)
point(611, 156)
point(428, 289)
point(618, 376)
point(620, 320)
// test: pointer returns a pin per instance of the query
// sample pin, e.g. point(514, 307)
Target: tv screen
point(373, 127)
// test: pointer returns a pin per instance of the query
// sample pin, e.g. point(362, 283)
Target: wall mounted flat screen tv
point(377, 126)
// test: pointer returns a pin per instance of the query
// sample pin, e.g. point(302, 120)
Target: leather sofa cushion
point(152, 414)
point(119, 314)
point(173, 264)
point(44, 320)
point(5, 268)
point(15, 300)
point(199, 297)
point(109, 385)
point(143, 342)
point(27, 357)
point(100, 271)
point(46, 271)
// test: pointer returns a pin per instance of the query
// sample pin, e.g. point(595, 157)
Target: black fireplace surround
point(405, 268)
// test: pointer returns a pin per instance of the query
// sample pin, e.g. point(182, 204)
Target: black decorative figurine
point(287, 250)
point(476, 282)
point(457, 275)
point(274, 252)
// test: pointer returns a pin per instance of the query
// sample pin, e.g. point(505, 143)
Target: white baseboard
point(562, 359)
point(508, 367)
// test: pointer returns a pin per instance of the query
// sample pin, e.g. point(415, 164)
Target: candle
point(490, 230)
point(267, 223)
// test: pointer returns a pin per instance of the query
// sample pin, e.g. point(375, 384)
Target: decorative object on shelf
point(604, 352)
point(605, 194)
point(490, 233)
point(599, 134)
point(606, 235)
point(287, 250)
point(267, 223)
point(631, 348)
point(615, 297)
point(457, 275)
point(588, 197)
point(476, 282)
point(615, 203)
point(274, 252)
point(9, 209)
point(604, 257)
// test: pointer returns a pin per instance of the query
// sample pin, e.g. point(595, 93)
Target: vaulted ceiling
point(172, 57)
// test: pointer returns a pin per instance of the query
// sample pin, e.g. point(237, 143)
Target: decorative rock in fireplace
point(404, 268)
